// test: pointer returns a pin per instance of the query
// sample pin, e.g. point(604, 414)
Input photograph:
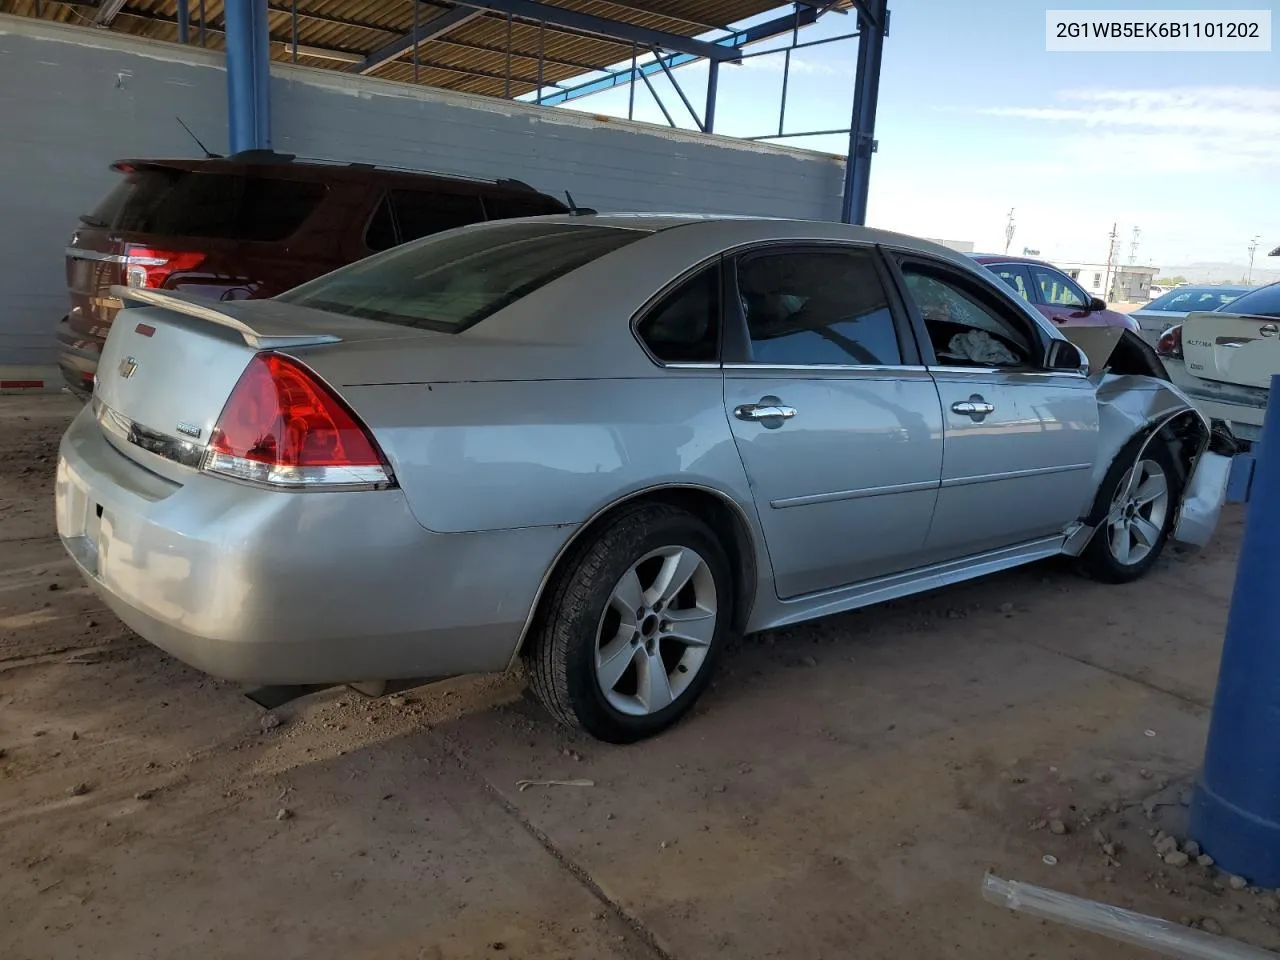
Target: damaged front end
point(1139, 406)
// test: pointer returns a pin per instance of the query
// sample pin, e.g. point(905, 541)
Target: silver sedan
point(604, 444)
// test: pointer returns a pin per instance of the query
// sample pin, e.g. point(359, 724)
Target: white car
point(1224, 359)
point(1160, 314)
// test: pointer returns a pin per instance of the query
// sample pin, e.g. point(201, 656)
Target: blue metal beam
point(435, 27)
point(248, 75)
point(646, 37)
point(873, 26)
point(738, 39)
point(184, 22)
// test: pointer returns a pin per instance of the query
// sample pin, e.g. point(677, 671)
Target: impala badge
point(127, 366)
point(190, 429)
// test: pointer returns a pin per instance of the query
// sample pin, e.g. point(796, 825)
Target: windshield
point(450, 281)
point(1188, 299)
point(1263, 302)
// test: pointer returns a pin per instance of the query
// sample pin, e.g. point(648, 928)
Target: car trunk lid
point(1232, 348)
point(171, 362)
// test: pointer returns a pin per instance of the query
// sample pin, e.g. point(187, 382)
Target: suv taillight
point(283, 427)
point(149, 267)
point(1170, 343)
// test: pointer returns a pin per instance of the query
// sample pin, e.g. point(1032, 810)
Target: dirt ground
point(840, 791)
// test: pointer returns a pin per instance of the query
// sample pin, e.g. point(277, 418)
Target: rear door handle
point(976, 408)
point(768, 409)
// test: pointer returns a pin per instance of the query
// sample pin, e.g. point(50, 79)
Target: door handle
point(976, 408)
point(769, 408)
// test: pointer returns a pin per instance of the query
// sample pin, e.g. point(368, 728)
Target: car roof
point(290, 166)
point(745, 229)
point(989, 258)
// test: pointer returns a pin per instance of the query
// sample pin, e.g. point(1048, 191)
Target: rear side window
point(449, 283)
point(405, 215)
point(420, 213)
point(212, 205)
point(817, 307)
point(505, 208)
point(684, 326)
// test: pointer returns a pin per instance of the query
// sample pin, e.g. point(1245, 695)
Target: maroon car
point(1052, 292)
point(253, 225)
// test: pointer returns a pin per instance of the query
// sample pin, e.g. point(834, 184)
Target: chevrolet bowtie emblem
point(127, 366)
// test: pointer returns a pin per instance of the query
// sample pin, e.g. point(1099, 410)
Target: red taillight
point(149, 267)
point(283, 426)
point(1170, 343)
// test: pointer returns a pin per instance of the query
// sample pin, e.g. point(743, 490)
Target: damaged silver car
point(605, 444)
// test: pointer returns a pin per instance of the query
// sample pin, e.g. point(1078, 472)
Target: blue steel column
point(1235, 814)
point(713, 81)
point(184, 22)
point(248, 75)
point(873, 23)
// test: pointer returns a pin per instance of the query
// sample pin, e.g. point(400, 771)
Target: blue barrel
point(1235, 812)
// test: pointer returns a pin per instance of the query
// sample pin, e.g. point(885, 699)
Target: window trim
point(736, 338)
point(990, 287)
point(716, 262)
point(1027, 278)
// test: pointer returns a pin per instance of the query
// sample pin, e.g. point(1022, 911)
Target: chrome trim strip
point(1015, 474)
point(75, 253)
point(853, 494)
point(835, 367)
point(943, 371)
point(117, 425)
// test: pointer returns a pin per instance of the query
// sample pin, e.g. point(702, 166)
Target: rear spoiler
point(266, 331)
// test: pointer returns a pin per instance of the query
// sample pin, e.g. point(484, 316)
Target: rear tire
point(1136, 517)
point(626, 639)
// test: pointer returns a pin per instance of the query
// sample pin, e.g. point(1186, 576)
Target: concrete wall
point(73, 99)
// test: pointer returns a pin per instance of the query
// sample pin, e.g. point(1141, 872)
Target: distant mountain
point(1263, 272)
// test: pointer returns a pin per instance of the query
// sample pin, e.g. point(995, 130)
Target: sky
point(976, 119)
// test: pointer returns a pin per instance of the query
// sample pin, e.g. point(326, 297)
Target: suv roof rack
point(267, 156)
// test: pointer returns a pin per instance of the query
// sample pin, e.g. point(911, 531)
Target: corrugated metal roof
point(488, 54)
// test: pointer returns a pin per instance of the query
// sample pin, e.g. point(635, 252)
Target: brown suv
point(253, 225)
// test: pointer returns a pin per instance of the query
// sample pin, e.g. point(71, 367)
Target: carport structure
point(539, 52)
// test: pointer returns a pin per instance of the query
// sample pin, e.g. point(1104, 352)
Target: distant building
point(1119, 283)
point(959, 246)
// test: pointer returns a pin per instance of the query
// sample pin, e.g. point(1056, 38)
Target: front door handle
point(976, 408)
point(770, 410)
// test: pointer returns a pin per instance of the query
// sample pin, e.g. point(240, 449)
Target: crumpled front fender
point(1138, 406)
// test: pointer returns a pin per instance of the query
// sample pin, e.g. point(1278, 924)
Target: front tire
point(627, 638)
point(1138, 515)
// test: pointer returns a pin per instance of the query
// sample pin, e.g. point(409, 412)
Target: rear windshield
point(182, 203)
point(1263, 302)
point(450, 281)
point(1188, 300)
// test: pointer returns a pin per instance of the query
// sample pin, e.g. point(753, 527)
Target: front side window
point(448, 283)
point(965, 329)
point(817, 307)
point(684, 326)
point(1057, 290)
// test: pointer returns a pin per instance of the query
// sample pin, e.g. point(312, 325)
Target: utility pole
point(1112, 248)
point(1253, 248)
point(1133, 246)
point(1008, 231)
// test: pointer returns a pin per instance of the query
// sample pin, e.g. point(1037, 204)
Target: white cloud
point(1188, 130)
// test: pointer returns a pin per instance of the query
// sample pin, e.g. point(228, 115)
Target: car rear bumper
point(1242, 409)
point(279, 587)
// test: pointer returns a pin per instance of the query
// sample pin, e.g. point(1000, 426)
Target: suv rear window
point(450, 283)
point(214, 205)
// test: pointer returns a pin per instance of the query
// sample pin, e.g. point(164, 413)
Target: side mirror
point(1096, 304)
point(1066, 356)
